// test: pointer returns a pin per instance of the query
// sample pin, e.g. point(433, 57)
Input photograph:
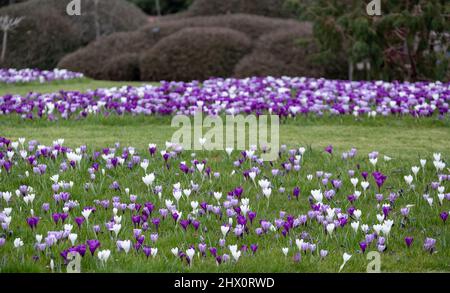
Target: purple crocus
point(251, 215)
point(429, 244)
point(195, 224)
point(444, 216)
point(79, 221)
point(329, 149)
point(380, 178)
point(93, 245)
point(409, 240)
point(363, 246)
point(183, 223)
point(56, 217)
point(296, 192)
point(254, 248)
point(32, 222)
point(147, 250)
point(156, 222)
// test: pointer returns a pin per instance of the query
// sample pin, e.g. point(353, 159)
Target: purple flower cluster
point(282, 96)
point(36, 75)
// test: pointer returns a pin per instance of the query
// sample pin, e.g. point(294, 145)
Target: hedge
point(47, 33)
point(271, 8)
point(195, 53)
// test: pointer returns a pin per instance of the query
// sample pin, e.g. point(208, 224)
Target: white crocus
point(365, 185)
point(218, 195)
point(224, 230)
point(330, 228)
point(346, 257)
point(317, 195)
point(357, 214)
point(177, 194)
point(175, 251)
point(190, 254)
point(104, 255)
point(408, 179)
point(267, 192)
point(148, 179)
point(18, 243)
point(354, 181)
point(355, 226)
point(73, 237)
point(86, 213)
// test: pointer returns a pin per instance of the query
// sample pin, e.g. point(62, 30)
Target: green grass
point(405, 139)
point(68, 85)
point(398, 137)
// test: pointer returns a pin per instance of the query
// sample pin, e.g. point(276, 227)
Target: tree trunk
point(158, 7)
point(96, 20)
point(350, 70)
point(4, 43)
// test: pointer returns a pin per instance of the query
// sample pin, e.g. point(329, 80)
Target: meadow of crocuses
point(167, 209)
point(13, 76)
point(281, 96)
point(151, 206)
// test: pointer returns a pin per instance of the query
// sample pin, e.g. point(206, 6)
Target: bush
point(47, 33)
point(40, 40)
point(259, 64)
point(252, 25)
point(122, 68)
point(195, 53)
point(283, 52)
point(84, 60)
point(272, 8)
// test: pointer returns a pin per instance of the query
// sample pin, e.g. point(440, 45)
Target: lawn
point(406, 140)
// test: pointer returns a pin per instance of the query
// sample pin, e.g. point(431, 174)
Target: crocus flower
point(296, 192)
point(409, 241)
point(323, 253)
point(363, 246)
point(147, 251)
point(93, 245)
point(346, 257)
point(183, 223)
point(429, 244)
point(79, 221)
point(32, 222)
point(380, 178)
point(444, 216)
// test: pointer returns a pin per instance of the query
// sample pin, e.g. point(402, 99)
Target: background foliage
point(408, 41)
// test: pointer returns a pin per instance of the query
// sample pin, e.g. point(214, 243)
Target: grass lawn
point(68, 85)
point(405, 139)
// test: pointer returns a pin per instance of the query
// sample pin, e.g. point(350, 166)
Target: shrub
point(40, 40)
point(122, 68)
point(84, 60)
point(272, 8)
point(283, 52)
point(47, 33)
point(195, 53)
point(259, 64)
point(252, 25)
